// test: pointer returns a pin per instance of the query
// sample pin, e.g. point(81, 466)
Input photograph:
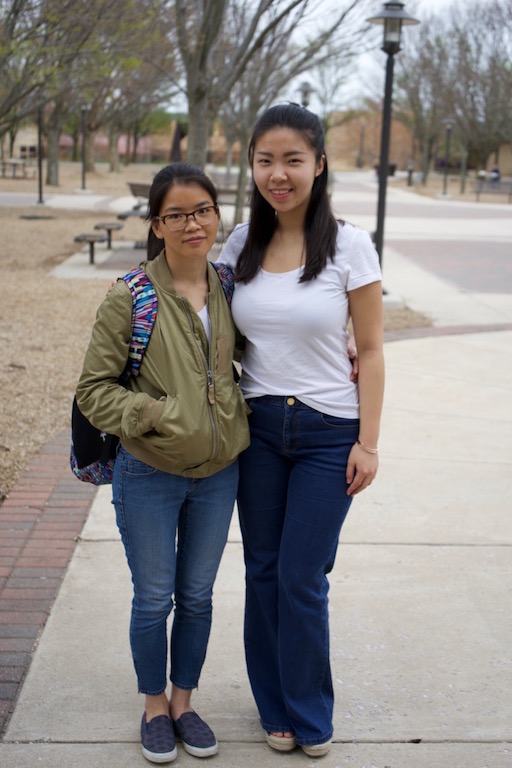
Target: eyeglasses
point(177, 221)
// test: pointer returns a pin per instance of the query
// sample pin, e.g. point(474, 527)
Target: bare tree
point(329, 77)
point(482, 76)
point(199, 27)
point(425, 79)
point(24, 32)
point(458, 67)
point(117, 76)
point(273, 68)
point(62, 54)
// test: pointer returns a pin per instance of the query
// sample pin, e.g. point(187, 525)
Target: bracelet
point(365, 448)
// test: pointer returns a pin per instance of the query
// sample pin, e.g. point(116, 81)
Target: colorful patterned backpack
point(93, 452)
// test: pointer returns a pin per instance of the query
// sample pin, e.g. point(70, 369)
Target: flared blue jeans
point(292, 503)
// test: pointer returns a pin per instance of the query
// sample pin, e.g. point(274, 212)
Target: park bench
point(139, 190)
point(490, 187)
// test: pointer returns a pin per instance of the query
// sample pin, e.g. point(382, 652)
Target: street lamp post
point(360, 155)
point(40, 154)
point(393, 17)
point(83, 110)
point(305, 91)
point(448, 124)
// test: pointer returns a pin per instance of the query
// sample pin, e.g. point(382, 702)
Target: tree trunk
point(135, 144)
point(53, 129)
point(113, 154)
point(89, 151)
point(126, 157)
point(52, 154)
point(425, 165)
point(75, 154)
point(427, 151)
point(12, 138)
point(229, 160)
point(199, 130)
point(241, 194)
point(463, 170)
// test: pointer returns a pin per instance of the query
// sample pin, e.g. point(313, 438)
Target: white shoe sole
point(160, 757)
point(201, 751)
point(317, 750)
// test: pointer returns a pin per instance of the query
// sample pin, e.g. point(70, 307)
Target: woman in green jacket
point(181, 423)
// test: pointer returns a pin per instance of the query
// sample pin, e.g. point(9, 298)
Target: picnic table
point(14, 164)
point(91, 239)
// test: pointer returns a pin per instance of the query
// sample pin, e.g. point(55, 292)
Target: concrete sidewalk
point(420, 594)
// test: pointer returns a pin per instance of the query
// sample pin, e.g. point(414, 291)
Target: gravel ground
point(45, 322)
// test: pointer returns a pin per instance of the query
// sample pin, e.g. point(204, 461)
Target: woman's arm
point(102, 400)
point(366, 313)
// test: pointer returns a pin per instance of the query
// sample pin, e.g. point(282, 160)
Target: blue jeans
point(292, 502)
point(174, 530)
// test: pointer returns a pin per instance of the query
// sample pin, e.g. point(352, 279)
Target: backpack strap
point(227, 279)
point(145, 305)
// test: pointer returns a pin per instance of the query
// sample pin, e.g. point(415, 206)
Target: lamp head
point(305, 90)
point(393, 17)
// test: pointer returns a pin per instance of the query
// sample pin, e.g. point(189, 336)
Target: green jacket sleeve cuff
point(151, 414)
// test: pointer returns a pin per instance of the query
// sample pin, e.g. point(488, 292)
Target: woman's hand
point(352, 356)
point(361, 469)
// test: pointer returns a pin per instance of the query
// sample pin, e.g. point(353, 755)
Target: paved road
point(451, 260)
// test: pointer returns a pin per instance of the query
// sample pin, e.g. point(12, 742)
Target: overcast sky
point(430, 5)
point(370, 72)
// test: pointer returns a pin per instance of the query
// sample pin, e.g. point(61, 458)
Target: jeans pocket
point(336, 422)
point(135, 467)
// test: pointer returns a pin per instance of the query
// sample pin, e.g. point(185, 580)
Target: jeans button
point(290, 401)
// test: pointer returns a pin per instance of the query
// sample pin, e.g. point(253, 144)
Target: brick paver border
point(40, 521)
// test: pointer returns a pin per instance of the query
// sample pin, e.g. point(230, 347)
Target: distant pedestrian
point(495, 174)
point(300, 276)
point(182, 423)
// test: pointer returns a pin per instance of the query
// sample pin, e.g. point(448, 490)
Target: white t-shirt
point(296, 333)
point(205, 319)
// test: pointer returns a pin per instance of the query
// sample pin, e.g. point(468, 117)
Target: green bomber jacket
point(183, 413)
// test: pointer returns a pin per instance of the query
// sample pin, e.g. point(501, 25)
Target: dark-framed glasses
point(202, 216)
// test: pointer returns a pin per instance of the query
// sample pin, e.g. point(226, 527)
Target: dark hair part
point(320, 226)
point(171, 175)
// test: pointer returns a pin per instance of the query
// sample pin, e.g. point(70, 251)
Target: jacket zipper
point(209, 375)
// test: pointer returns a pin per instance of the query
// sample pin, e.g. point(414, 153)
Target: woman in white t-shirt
point(300, 275)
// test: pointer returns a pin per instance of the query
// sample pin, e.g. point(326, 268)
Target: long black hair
point(175, 173)
point(320, 226)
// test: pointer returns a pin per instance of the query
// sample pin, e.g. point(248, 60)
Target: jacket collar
point(159, 270)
